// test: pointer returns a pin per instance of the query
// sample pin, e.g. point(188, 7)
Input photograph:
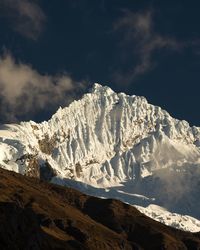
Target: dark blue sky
point(148, 48)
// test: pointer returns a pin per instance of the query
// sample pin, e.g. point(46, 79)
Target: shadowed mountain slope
point(39, 215)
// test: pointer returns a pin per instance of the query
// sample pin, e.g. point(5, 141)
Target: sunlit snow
point(117, 146)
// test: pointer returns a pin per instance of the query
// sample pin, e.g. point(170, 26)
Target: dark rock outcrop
point(47, 172)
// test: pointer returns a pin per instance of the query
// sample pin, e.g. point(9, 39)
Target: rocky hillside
point(38, 215)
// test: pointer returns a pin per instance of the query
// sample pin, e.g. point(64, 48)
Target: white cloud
point(24, 91)
point(138, 30)
point(26, 17)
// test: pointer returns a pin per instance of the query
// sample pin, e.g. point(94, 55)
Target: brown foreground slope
point(38, 215)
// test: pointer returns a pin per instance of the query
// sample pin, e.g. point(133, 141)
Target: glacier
point(113, 145)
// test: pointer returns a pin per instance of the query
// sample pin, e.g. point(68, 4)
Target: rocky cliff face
point(112, 142)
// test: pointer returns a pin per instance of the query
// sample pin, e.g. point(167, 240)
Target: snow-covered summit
point(113, 142)
point(98, 88)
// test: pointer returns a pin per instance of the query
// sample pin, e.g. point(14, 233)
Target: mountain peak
point(98, 88)
point(106, 140)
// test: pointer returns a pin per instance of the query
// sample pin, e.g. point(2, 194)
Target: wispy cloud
point(138, 33)
point(24, 91)
point(25, 16)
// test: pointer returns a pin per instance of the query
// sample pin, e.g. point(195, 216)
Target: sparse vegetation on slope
point(38, 215)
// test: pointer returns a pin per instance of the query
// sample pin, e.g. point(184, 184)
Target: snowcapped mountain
point(117, 146)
